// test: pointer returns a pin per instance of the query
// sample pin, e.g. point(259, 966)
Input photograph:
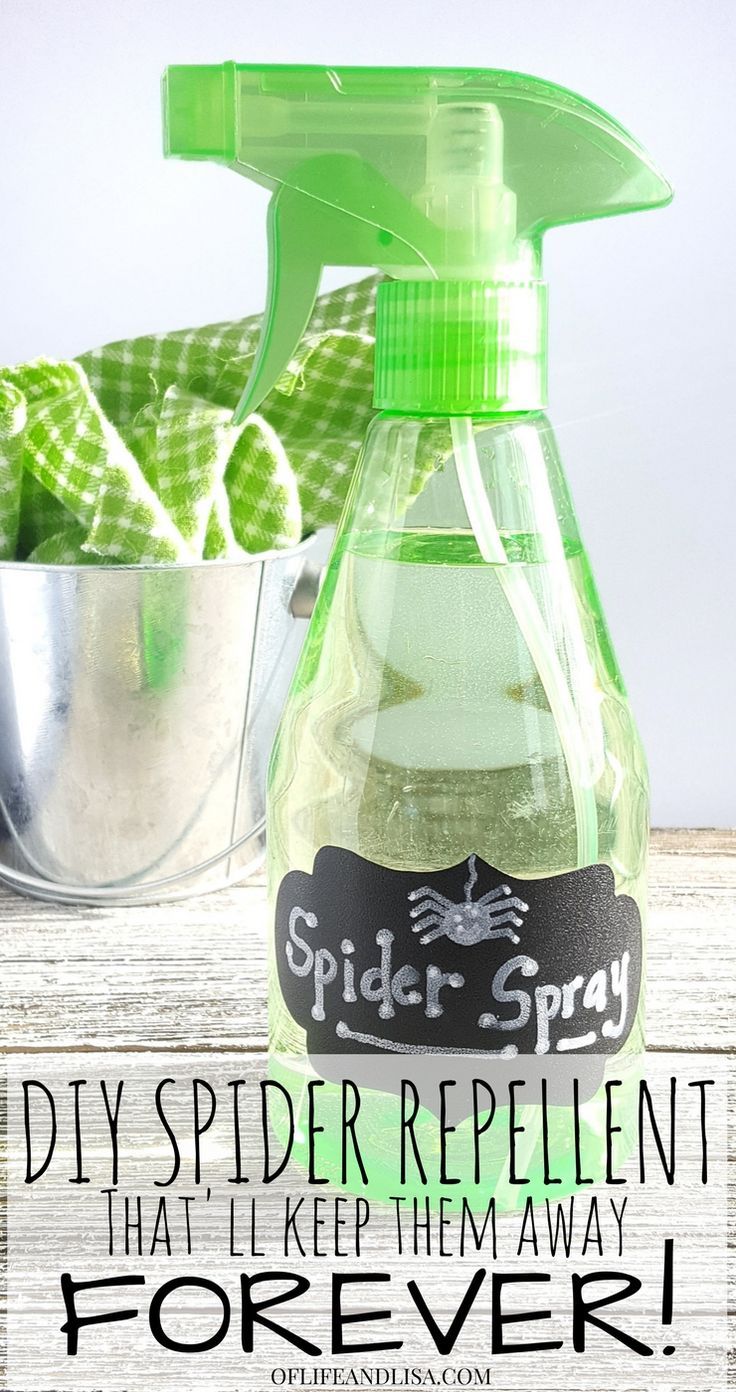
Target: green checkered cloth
point(128, 454)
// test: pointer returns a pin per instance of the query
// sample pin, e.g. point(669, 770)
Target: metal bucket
point(137, 710)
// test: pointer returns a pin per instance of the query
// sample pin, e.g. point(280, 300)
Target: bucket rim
point(113, 567)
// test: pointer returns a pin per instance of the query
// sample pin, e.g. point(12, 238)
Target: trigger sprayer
point(457, 746)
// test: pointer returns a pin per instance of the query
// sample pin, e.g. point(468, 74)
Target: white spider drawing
point(469, 922)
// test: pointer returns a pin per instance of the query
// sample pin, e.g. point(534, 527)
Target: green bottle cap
point(460, 347)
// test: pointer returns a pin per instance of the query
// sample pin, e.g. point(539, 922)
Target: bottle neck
point(454, 347)
point(408, 480)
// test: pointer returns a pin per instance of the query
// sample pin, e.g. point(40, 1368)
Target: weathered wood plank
point(700, 841)
point(191, 974)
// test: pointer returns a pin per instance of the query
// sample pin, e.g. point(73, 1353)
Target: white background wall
point(100, 238)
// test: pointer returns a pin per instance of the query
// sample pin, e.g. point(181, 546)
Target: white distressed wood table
point(190, 976)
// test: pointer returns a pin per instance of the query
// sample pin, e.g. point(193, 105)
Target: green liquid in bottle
point(418, 730)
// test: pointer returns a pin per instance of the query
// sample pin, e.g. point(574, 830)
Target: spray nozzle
point(448, 176)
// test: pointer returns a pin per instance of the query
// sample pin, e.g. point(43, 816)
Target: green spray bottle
point(458, 806)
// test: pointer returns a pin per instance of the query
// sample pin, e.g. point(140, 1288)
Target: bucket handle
point(128, 894)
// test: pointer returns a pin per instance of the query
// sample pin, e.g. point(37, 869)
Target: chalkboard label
point(464, 960)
